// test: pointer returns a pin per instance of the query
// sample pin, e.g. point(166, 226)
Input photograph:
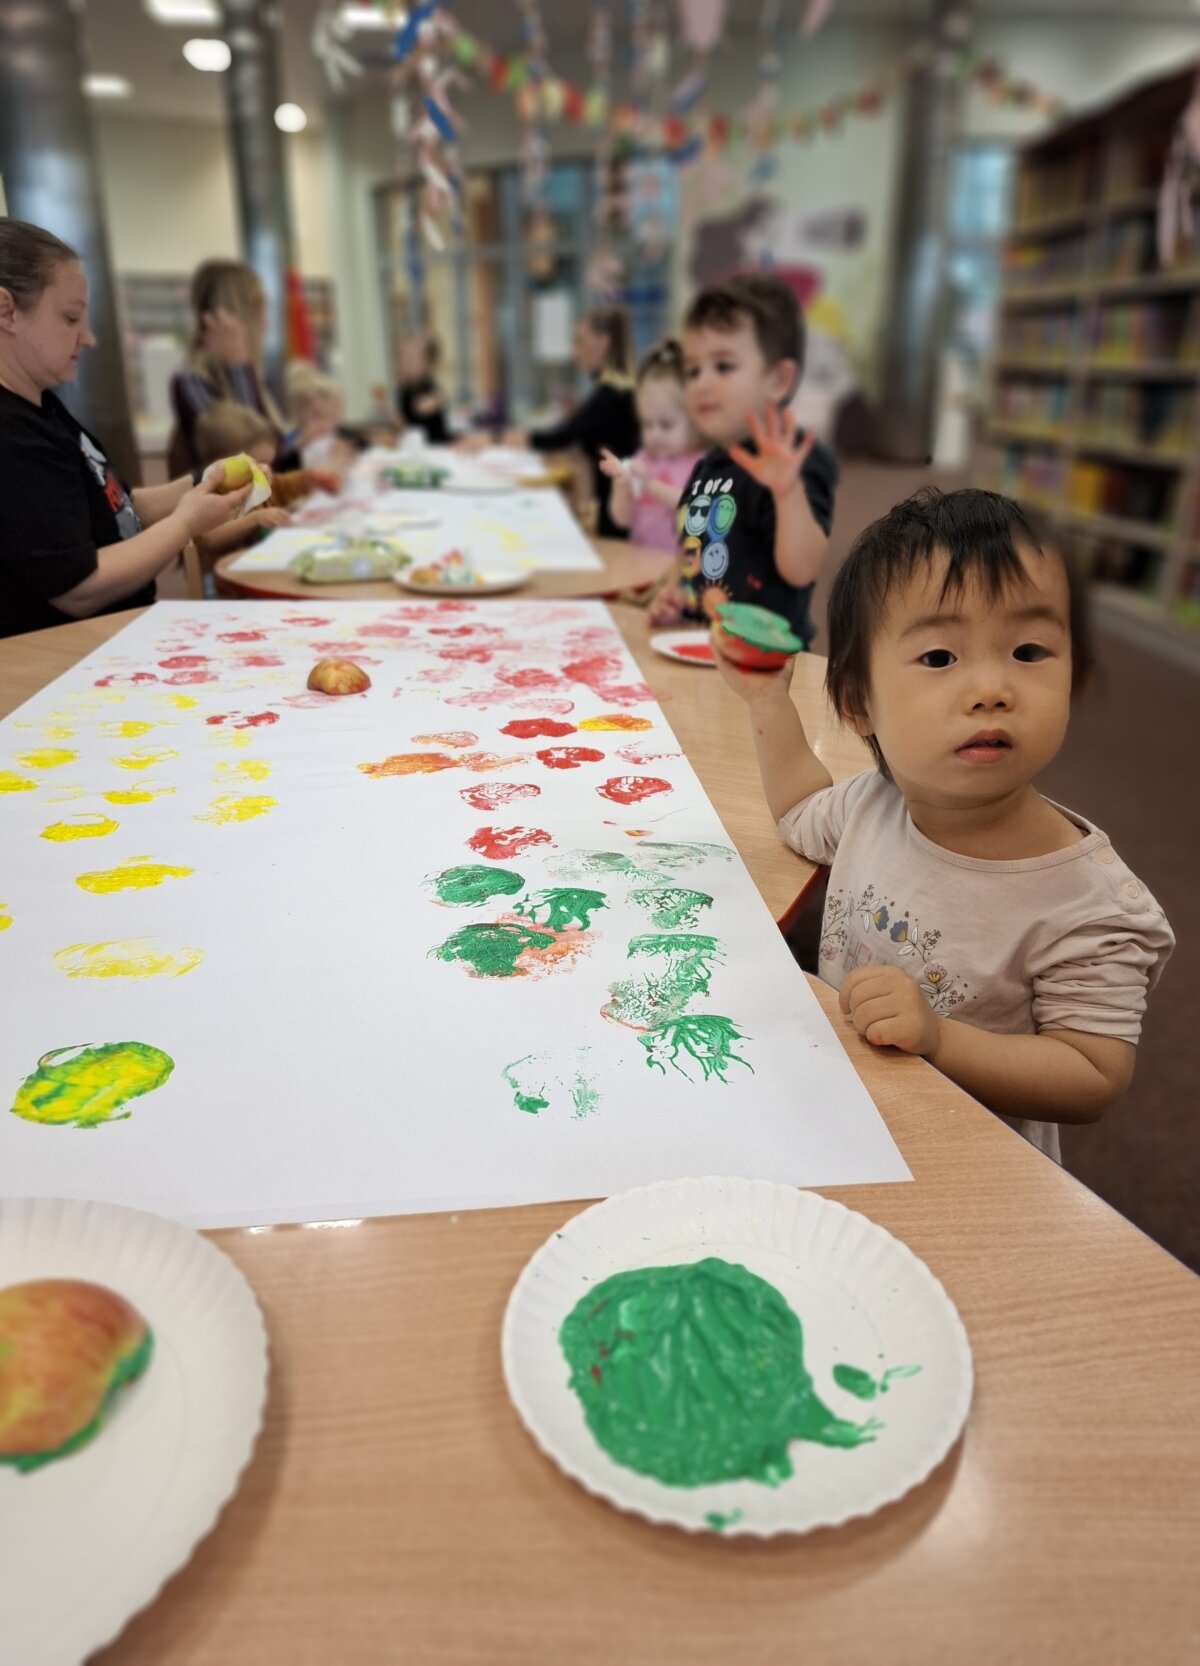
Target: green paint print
point(670, 908)
point(83, 1087)
point(494, 951)
point(541, 1082)
point(562, 908)
point(466, 886)
point(692, 957)
point(719, 1522)
point(865, 1386)
point(647, 857)
point(695, 1374)
point(704, 1037)
point(646, 1002)
point(660, 853)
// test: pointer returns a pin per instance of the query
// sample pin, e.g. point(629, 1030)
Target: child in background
point(646, 487)
point(226, 430)
point(759, 507)
point(421, 402)
point(968, 919)
point(317, 408)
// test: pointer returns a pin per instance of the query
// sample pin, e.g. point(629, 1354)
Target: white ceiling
point(122, 39)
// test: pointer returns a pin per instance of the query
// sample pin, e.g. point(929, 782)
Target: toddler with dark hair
point(757, 511)
point(968, 919)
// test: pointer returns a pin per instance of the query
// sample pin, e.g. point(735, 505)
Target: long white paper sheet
point(231, 952)
point(530, 531)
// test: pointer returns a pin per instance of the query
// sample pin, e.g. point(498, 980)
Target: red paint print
point(183, 662)
point(396, 632)
point(115, 677)
point(256, 721)
point(479, 762)
point(449, 737)
point(465, 651)
point(529, 728)
point(631, 789)
point(569, 757)
point(241, 636)
point(246, 662)
point(647, 752)
point(184, 679)
point(701, 652)
point(483, 698)
point(498, 844)
point(307, 620)
point(530, 677)
point(597, 672)
point(456, 630)
point(495, 793)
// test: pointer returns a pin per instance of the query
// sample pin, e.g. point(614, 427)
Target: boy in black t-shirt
point(755, 517)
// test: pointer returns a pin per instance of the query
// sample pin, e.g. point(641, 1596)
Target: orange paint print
point(616, 720)
point(411, 763)
point(451, 737)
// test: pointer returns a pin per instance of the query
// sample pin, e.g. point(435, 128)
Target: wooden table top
point(626, 567)
point(395, 1508)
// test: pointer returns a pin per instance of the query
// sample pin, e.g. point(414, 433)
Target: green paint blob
point(127, 1370)
point(563, 908)
point(463, 887)
point(539, 1080)
point(670, 907)
point(719, 1522)
point(493, 951)
point(759, 627)
point(85, 1086)
point(704, 1037)
point(860, 1383)
point(695, 1374)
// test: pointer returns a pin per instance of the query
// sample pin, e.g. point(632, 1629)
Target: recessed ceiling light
point(359, 16)
point(107, 86)
point(204, 13)
point(290, 118)
point(210, 55)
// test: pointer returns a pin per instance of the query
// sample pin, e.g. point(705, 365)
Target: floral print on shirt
point(867, 930)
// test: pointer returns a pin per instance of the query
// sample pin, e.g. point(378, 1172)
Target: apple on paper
point(338, 676)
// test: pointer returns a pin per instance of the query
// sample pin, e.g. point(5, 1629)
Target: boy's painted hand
point(755, 687)
point(887, 1007)
point(667, 606)
point(781, 451)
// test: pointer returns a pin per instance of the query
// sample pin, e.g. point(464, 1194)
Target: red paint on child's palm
point(498, 844)
point(529, 728)
point(495, 793)
point(631, 789)
point(569, 757)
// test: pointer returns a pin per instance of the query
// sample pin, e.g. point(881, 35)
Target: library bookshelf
point(1094, 418)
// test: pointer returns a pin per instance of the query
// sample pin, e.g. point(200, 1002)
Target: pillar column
point(916, 313)
point(264, 212)
point(49, 174)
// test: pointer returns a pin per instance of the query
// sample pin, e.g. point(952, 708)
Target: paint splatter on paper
point(509, 948)
point(864, 1385)
point(448, 737)
point(231, 808)
point(622, 721)
point(493, 794)
point(136, 795)
point(632, 789)
point(500, 843)
point(530, 728)
point(139, 873)
point(94, 826)
point(85, 1086)
point(470, 885)
point(562, 908)
point(541, 1082)
point(705, 1039)
point(46, 757)
point(410, 763)
point(144, 759)
point(569, 757)
point(672, 908)
point(130, 957)
point(12, 783)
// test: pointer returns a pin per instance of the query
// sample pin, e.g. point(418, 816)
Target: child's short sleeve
point(1096, 978)
point(818, 475)
point(814, 827)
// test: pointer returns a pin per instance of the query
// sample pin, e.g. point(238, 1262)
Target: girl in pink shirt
point(646, 488)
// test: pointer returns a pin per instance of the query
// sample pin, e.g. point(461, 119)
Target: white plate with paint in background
point(687, 647)
point(90, 1539)
point(493, 582)
point(850, 1411)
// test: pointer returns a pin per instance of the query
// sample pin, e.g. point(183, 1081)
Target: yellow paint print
point(181, 702)
point(93, 826)
point(130, 957)
point(46, 757)
point(64, 794)
point(127, 728)
point(10, 783)
point(138, 873)
point(57, 731)
point(144, 759)
point(230, 808)
point(5, 917)
point(243, 769)
point(620, 721)
point(137, 795)
point(234, 739)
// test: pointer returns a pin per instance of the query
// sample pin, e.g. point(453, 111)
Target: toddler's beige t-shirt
point(1068, 941)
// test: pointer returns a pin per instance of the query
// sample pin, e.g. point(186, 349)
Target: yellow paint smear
point(46, 757)
point(181, 702)
point(243, 769)
point(10, 783)
point(64, 794)
point(233, 739)
point(5, 917)
point(138, 873)
point(83, 827)
point(57, 731)
point(616, 721)
point(128, 728)
point(229, 808)
point(130, 957)
point(144, 759)
point(137, 795)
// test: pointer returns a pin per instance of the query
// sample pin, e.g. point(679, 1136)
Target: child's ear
point(8, 309)
point(783, 379)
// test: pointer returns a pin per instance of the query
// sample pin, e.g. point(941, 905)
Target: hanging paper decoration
point(761, 128)
point(701, 23)
point(424, 74)
point(531, 90)
point(330, 33)
point(815, 15)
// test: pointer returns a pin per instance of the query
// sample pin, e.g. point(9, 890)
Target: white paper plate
point(494, 585)
point(90, 1540)
point(862, 1297)
point(668, 644)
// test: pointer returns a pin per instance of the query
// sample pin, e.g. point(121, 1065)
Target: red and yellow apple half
point(338, 676)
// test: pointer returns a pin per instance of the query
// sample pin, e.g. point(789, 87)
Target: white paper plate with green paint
point(762, 1361)
point(90, 1538)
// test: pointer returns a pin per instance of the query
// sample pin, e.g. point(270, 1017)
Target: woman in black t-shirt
point(420, 400)
point(607, 419)
point(73, 541)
